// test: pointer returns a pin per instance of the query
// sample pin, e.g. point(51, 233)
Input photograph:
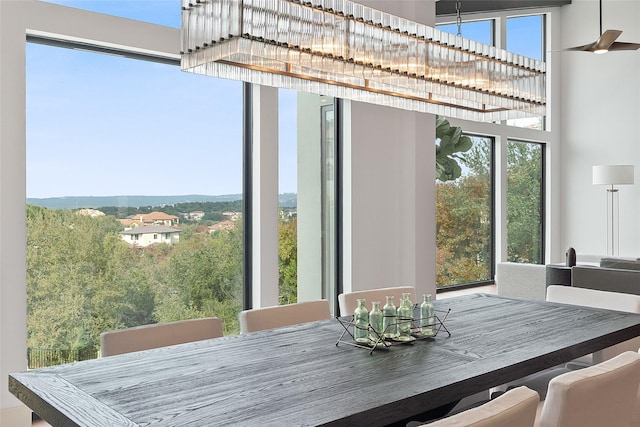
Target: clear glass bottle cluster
point(391, 322)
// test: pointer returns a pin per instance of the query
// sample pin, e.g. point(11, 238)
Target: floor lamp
point(613, 175)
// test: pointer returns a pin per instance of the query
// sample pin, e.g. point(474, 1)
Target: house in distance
point(143, 236)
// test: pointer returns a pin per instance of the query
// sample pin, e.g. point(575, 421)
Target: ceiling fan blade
point(584, 48)
point(606, 42)
point(606, 39)
point(624, 46)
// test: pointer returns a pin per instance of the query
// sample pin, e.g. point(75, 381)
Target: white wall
point(390, 223)
point(388, 187)
point(600, 124)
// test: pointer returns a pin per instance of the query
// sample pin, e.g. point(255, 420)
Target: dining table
point(310, 375)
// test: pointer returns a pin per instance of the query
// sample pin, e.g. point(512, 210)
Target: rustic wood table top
point(298, 376)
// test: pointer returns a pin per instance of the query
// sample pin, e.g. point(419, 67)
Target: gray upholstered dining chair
point(159, 335)
point(348, 301)
point(598, 299)
point(593, 298)
point(515, 408)
point(258, 319)
point(600, 395)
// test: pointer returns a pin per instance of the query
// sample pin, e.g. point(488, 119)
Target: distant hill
point(288, 200)
point(78, 202)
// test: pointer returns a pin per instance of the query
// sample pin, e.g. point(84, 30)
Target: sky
point(101, 125)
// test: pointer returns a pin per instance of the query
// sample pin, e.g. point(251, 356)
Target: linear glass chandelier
point(343, 49)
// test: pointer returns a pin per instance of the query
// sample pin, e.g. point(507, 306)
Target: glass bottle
point(361, 323)
point(405, 318)
point(407, 296)
point(376, 320)
point(389, 319)
point(426, 316)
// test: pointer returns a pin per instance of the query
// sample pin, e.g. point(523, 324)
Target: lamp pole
point(613, 192)
point(611, 175)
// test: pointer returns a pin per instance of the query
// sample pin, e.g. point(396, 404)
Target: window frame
point(492, 216)
point(543, 194)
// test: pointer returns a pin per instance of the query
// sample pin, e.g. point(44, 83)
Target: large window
point(480, 31)
point(525, 36)
point(464, 217)
point(108, 152)
point(525, 202)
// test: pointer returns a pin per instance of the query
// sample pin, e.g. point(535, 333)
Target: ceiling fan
point(606, 42)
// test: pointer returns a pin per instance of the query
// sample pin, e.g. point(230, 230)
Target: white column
point(554, 227)
point(264, 247)
point(309, 197)
point(500, 224)
point(13, 293)
point(347, 198)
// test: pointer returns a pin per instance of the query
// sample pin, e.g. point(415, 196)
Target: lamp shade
point(613, 175)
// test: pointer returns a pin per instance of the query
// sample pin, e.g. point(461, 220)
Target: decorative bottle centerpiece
point(361, 323)
point(426, 316)
point(405, 318)
point(376, 320)
point(390, 318)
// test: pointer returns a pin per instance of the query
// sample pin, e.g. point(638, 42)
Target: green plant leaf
point(442, 126)
point(464, 144)
point(449, 142)
point(447, 146)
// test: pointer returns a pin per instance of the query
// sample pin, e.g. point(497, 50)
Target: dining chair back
point(349, 301)
point(159, 335)
point(259, 319)
point(599, 395)
point(635, 417)
point(598, 299)
point(539, 381)
point(516, 407)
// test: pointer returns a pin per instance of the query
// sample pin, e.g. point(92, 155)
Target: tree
point(288, 261)
point(463, 231)
point(82, 279)
point(524, 202)
point(463, 221)
point(74, 290)
point(203, 277)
